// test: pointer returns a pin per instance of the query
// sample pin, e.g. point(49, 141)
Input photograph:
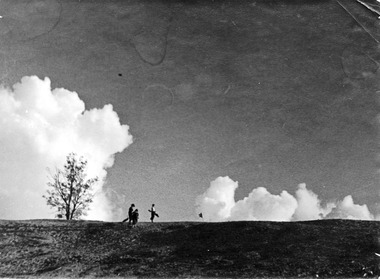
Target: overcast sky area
point(241, 110)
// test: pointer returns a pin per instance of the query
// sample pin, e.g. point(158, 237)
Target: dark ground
point(329, 248)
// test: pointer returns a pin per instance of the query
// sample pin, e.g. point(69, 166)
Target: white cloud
point(39, 127)
point(218, 204)
point(347, 209)
point(262, 205)
point(309, 206)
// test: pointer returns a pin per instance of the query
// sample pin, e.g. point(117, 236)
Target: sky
point(241, 110)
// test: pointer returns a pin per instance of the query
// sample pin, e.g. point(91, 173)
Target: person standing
point(135, 217)
point(153, 213)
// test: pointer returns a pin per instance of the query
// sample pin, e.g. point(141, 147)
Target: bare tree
point(70, 191)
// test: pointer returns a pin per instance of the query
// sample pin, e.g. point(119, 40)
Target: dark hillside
point(327, 248)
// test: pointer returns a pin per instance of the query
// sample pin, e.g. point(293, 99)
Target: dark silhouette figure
point(153, 213)
point(135, 217)
point(130, 213)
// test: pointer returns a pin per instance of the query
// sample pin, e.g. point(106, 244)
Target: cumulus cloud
point(218, 204)
point(347, 209)
point(39, 127)
point(309, 206)
point(262, 205)
point(218, 201)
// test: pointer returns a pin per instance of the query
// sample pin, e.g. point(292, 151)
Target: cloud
point(309, 206)
point(346, 209)
point(218, 204)
point(218, 200)
point(262, 205)
point(39, 127)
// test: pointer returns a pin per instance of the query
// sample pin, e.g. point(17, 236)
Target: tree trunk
point(68, 212)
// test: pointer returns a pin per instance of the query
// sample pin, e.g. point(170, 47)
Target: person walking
point(153, 213)
point(130, 214)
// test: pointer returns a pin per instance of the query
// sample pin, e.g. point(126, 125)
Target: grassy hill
point(326, 248)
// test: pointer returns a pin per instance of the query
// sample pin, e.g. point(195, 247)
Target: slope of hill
point(327, 248)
